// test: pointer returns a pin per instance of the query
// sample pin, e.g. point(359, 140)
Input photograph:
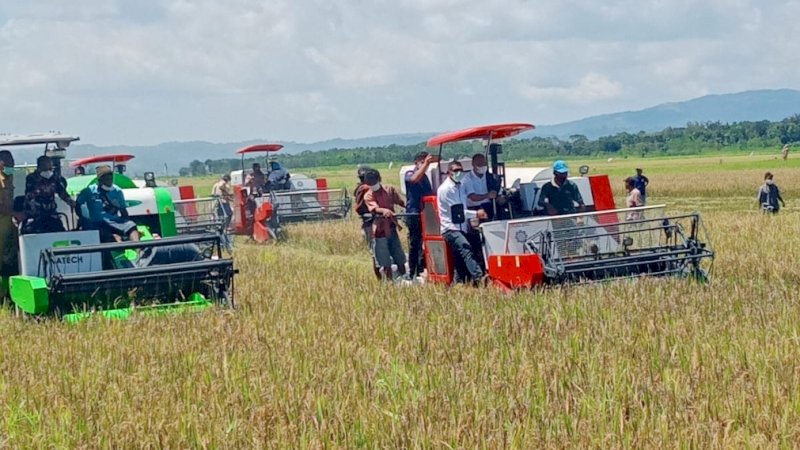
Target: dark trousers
point(43, 224)
point(416, 258)
point(466, 266)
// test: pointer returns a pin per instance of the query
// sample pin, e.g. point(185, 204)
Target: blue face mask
point(8, 171)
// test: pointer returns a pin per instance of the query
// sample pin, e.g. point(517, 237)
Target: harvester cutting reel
point(118, 279)
point(590, 251)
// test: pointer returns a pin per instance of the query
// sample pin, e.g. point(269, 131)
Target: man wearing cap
point(8, 231)
point(102, 206)
point(278, 177)
point(560, 195)
point(417, 186)
point(41, 188)
point(640, 182)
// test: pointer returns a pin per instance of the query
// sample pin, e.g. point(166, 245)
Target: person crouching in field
point(386, 247)
point(769, 195)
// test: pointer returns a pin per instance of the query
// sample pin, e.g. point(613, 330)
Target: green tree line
point(694, 138)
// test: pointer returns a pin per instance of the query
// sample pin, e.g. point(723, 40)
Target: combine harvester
point(193, 215)
point(528, 248)
point(73, 275)
point(306, 199)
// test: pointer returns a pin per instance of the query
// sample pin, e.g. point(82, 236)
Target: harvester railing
point(200, 215)
point(197, 270)
point(607, 244)
point(312, 204)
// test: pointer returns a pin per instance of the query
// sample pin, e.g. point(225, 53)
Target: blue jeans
point(466, 266)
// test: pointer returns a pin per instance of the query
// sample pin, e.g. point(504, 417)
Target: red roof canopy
point(116, 159)
point(260, 148)
point(499, 131)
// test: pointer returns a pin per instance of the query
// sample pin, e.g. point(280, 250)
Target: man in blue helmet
point(560, 195)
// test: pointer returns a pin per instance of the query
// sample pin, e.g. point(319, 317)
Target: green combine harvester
point(72, 275)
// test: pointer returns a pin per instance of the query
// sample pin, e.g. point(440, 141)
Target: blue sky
point(149, 71)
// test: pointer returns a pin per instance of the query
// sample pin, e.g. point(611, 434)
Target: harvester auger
point(72, 274)
point(528, 248)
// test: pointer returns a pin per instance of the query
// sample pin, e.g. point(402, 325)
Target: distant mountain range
point(755, 105)
point(770, 105)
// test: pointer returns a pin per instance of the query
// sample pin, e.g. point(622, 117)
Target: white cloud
point(592, 87)
point(313, 69)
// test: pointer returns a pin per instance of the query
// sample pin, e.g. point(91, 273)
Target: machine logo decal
point(74, 259)
point(58, 244)
point(521, 236)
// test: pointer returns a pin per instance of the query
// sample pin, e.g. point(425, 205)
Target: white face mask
point(458, 176)
point(375, 187)
point(46, 174)
point(481, 170)
point(106, 188)
point(769, 182)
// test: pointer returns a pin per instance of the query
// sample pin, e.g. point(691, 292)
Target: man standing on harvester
point(417, 186)
point(560, 195)
point(453, 215)
point(41, 188)
point(106, 209)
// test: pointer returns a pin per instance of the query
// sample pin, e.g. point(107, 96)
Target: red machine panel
point(602, 193)
point(516, 271)
point(603, 199)
point(438, 259)
point(323, 197)
point(187, 192)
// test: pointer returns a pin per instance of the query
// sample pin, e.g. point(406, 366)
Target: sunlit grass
point(320, 354)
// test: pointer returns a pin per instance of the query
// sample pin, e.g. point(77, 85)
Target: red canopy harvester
point(527, 248)
point(299, 198)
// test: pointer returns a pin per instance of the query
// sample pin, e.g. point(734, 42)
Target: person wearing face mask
point(418, 185)
point(386, 246)
point(278, 177)
point(454, 226)
point(481, 186)
point(8, 231)
point(560, 195)
point(41, 188)
point(102, 207)
point(769, 195)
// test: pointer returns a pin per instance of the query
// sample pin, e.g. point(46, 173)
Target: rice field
point(318, 354)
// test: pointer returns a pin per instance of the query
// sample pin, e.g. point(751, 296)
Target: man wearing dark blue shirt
point(417, 186)
point(640, 182)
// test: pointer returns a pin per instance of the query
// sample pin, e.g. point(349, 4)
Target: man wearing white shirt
point(453, 215)
point(481, 188)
